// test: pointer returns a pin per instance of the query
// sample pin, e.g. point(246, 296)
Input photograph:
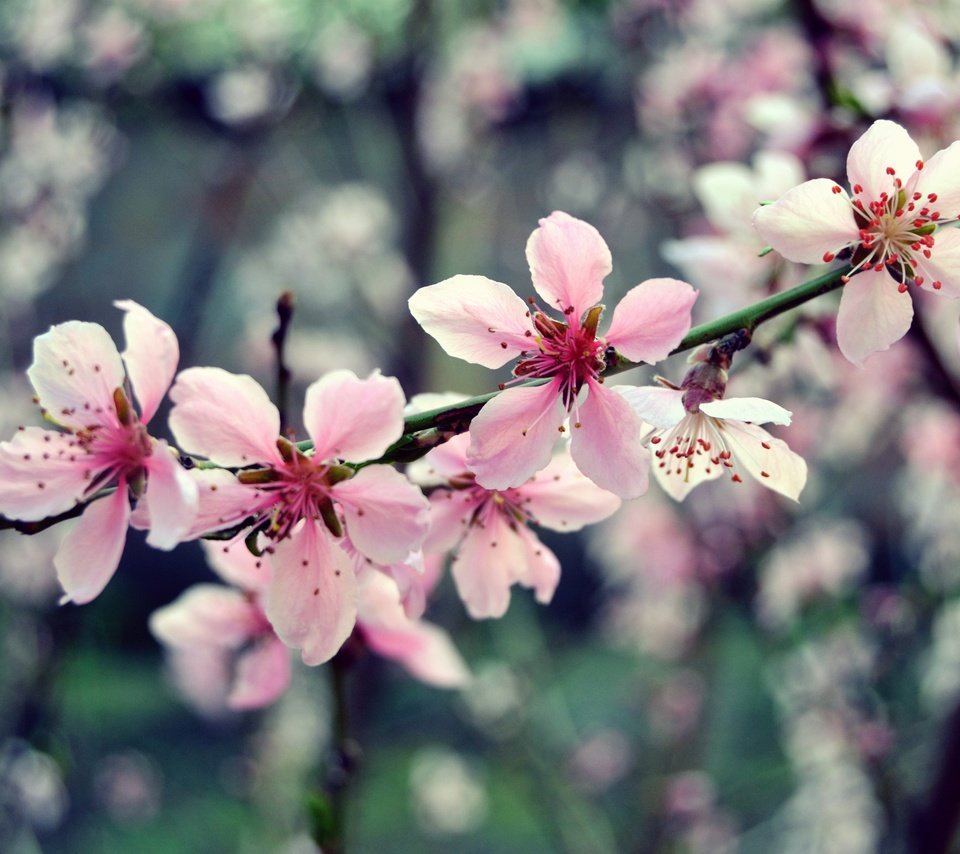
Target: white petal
point(754, 409)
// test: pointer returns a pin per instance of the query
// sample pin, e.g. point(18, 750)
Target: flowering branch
point(425, 430)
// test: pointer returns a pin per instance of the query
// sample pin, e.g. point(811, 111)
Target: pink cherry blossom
point(489, 529)
point(890, 229)
point(310, 508)
point(697, 440)
point(485, 322)
point(84, 386)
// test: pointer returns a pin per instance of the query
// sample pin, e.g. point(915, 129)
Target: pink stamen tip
point(891, 170)
point(919, 164)
point(902, 288)
point(857, 188)
point(937, 285)
point(836, 190)
point(931, 197)
point(828, 256)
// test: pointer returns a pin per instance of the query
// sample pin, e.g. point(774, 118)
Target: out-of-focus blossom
point(726, 264)
point(826, 559)
point(449, 797)
point(892, 230)
point(82, 385)
point(32, 789)
point(485, 322)
point(600, 760)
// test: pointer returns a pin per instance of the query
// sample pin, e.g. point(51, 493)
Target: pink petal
point(943, 265)
point(562, 498)
point(76, 369)
point(940, 175)
point(151, 356)
point(430, 657)
point(90, 553)
point(660, 407)
point(312, 600)
point(424, 650)
point(885, 144)
point(222, 503)
point(768, 459)
point(262, 675)
point(444, 462)
point(472, 318)
point(225, 417)
point(542, 570)
point(514, 434)
point(42, 473)
point(568, 262)
point(490, 559)
point(873, 315)
point(411, 582)
point(606, 448)
point(207, 615)
point(353, 419)
point(236, 565)
point(651, 319)
point(754, 409)
point(450, 512)
point(386, 515)
point(808, 221)
point(173, 498)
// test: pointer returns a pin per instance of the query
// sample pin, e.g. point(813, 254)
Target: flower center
point(896, 231)
point(571, 352)
point(298, 489)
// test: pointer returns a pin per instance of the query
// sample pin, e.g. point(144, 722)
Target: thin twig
point(285, 307)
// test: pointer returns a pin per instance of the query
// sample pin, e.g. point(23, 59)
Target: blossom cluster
point(323, 538)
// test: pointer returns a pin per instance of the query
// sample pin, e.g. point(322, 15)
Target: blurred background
point(734, 673)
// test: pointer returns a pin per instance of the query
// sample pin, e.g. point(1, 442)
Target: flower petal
point(943, 265)
point(236, 565)
point(568, 262)
point(940, 175)
point(353, 419)
point(873, 315)
point(90, 553)
point(607, 448)
point(387, 516)
point(512, 437)
point(472, 318)
point(262, 675)
point(225, 417)
point(450, 512)
point(207, 615)
point(754, 409)
point(884, 145)
point(312, 600)
point(490, 559)
point(652, 319)
point(76, 369)
point(542, 573)
point(222, 502)
point(768, 459)
point(42, 473)
point(151, 356)
point(562, 498)
point(423, 649)
point(808, 221)
point(661, 407)
point(173, 498)
point(444, 462)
